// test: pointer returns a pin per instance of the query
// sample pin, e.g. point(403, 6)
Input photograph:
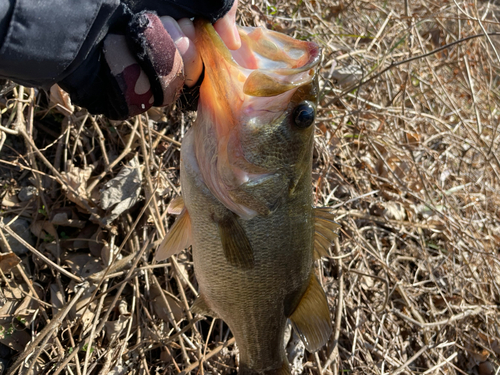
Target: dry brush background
point(406, 155)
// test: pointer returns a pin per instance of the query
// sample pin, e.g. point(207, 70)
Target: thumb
point(226, 27)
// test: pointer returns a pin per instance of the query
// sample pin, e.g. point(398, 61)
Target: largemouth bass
point(247, 205)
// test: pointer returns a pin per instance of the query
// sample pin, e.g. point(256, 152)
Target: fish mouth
point(251, 86)
point(270, 63)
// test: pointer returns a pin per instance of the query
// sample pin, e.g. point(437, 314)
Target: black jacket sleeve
point(44, 41)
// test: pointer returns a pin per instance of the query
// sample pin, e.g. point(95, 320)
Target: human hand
point(183, 35)
point(145, 64)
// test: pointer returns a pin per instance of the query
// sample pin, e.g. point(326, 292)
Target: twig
point(49, 330)
point(441, 322)
point(441, 364)
point(208, 356)
point(105, 318)
point(397, 63)
point(409, 361)
point(40, 255)
point(110, 166)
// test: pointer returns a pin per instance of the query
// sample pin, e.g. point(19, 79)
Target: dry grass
point(407, 155)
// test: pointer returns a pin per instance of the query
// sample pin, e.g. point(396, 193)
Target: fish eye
point(304, 114)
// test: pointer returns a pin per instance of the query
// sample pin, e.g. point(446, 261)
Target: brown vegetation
point(407, 156)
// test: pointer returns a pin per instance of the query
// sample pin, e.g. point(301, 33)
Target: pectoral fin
point(201, 307)
point(235, 243)
point(311, 318)
point(325, 229)
point(176, 206)
point(177, 239)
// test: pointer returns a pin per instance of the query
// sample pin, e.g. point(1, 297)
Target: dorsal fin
point(325, 229)
point(177, 239)
point(235, 243)
point(311, 318)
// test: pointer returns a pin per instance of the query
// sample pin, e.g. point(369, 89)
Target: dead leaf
point(25, 311)
point(13, 292)
point(8, 261)
point(21, 226)
point(394, 210)
point(114, 328)
point(10, 200)
point(161, 309)
point(495, 346)
point(77, 179)
point(83, 264)
point(157, 114)
point(60, 100)
point(96, 243)
point(346, 75)
point(66, 217)
point(42, 229)
point(122, 192)
point(160, 306)
point(27, 193)
point(107, 253)
point(10, 335)
point(119, 370)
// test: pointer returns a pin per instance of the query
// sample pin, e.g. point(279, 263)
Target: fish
point(247, 202)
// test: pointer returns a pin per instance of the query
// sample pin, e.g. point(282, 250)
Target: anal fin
point(311, 318)
point(235, 243)
point(201, 307)
point(177, 239)
point(325, 231)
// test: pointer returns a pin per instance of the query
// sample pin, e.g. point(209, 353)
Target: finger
point(179, 32)
point(191, 56)
point(226, 27)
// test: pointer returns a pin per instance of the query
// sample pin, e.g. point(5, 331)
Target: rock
point(27, 193)
point(22, 227)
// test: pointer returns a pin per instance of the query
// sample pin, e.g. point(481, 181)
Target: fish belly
point(252, 301)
